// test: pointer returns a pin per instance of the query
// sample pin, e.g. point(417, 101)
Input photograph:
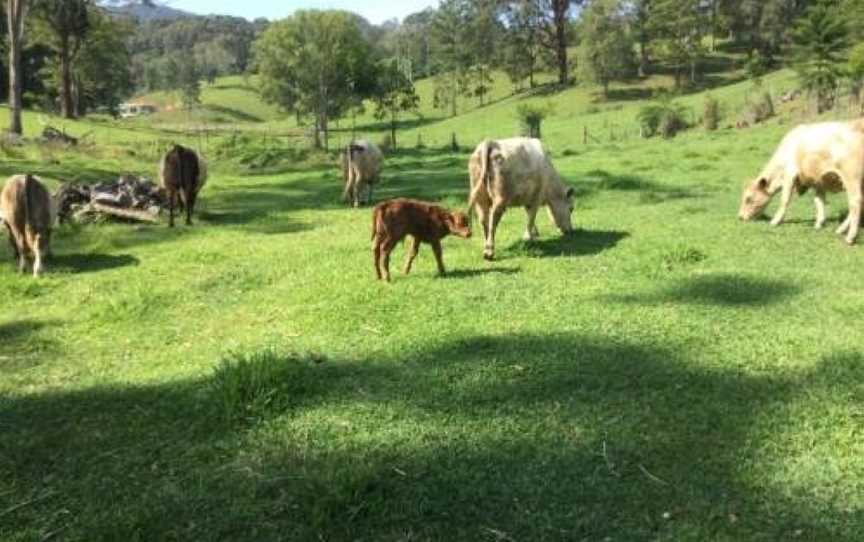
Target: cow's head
point(754, 200)
point(561, 207)
point(458, 224)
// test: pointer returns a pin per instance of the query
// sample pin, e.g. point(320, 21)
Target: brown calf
point(424, 222)
point(182, 174)
point(26, 207)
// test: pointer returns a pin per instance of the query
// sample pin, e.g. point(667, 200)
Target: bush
point(761, 110)
point(711, 113)
point(531, 118)
point(665, 117)
point(385, 144)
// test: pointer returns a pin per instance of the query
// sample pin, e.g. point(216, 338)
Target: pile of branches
point(128, 198)
point(53, 135)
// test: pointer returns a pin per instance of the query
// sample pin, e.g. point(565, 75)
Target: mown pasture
point(665, 373)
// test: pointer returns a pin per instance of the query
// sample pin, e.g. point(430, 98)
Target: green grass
point(665, 373)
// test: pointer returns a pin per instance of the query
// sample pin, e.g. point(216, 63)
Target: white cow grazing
point(827, 156)
point(516, 172)
point(362, 162)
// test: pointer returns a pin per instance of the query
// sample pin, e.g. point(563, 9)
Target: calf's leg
point(439, 256)
point(412, 254)
point(376, 256)
point(386, 249)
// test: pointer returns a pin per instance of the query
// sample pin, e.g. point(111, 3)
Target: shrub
point(531, 118)
point(385, 144)
point(666, 117)
point(761, 110)
point(711, 113)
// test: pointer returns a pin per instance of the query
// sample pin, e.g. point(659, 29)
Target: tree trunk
point(67, 108)
point(643, 57)
point(393, 131)
point(326, 129)
point(16, 11)
point(559, 20)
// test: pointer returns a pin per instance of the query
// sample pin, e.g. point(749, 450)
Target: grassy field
point(666, 373)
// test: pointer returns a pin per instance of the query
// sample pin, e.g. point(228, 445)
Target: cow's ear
point(762, 183)
point(570, 193)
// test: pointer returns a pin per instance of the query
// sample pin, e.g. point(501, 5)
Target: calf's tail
point(29, 203)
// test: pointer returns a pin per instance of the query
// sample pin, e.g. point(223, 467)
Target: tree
point(16, 12)
point(483, 33)
point(453, 55)
point(606, 51)
point(556, 33)
point(394, 94)
point(521, 46)
point(102, 75)
point(64, 25)
point(820, 39)
point(677, 25)
point(189, 81)
point(314, 64)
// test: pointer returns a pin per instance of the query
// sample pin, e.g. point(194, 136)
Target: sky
point(376, 11)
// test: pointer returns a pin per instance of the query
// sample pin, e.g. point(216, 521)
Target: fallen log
point(127, 214)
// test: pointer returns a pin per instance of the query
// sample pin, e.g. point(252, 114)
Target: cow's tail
point(485, 150)
point(29, 203)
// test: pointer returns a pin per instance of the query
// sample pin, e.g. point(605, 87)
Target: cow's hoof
point(489, 256)
point(850, 242)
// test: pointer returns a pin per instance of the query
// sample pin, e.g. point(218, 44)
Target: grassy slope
point(664, 374)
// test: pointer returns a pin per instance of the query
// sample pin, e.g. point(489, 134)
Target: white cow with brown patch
point(516, 172)
point(827, 157)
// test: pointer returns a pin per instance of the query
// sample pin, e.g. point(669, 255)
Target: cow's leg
point(172, 203)
point(483, 218)
point(20, 252)
point(389, 245)
point(191, 198)
point(785, 201)
point(439, 256)
point(495, 215)
point(14, 244)
point(819, 200)
point(376, 255)
point(37, 255)
point(854, 218)
point(531, 232)
point(844, 227)
point(413, 250)
point(369, 194)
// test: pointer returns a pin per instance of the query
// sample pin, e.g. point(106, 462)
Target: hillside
point(144, 10)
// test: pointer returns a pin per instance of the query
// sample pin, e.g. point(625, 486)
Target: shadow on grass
point(731, 290)
point(650, 192)
point(90, 263)
point(574, 244)
point(23, 345)
point(523, 437)
point(474, 273)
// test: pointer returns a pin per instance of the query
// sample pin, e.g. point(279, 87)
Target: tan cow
point(27, 211)
point(362, 162)
point(516, 172)
point(828, 157)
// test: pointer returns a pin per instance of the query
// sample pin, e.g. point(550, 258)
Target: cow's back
point(26, 209)
point(181, 169)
